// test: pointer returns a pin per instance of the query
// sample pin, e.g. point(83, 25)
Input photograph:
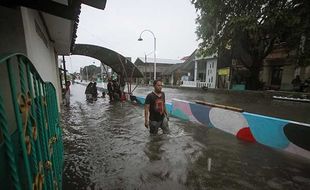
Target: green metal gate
point(31, 149)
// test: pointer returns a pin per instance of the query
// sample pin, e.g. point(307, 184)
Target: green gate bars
point(31, 149)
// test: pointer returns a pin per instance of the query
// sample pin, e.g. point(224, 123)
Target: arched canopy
point(116, 61)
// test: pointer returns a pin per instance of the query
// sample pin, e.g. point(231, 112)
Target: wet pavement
point(108, 147)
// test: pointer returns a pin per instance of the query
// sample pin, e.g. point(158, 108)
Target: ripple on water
point(108, 147)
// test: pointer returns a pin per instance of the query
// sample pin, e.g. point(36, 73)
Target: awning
point(116, 61)
point(60, 17)
point(62, 8)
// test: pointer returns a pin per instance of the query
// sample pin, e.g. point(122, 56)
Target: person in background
point(116, 90)
point(122, 84)
point(67, 93)
point(296, 82)
point(155, 113)
point(110, 90)
point(88, 91)
point(94, 91)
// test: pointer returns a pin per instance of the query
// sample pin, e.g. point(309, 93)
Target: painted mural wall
point(277, 133)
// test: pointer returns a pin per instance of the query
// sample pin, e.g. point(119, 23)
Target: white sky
point(118, 27)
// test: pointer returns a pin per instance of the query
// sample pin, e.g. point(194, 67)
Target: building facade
point(146, 66)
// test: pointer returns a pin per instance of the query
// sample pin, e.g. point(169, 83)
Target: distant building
point(280, 68)
point(199, 71)
point(146, 66)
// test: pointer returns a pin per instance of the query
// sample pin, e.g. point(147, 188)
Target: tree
point(249, 29)
point(91, 71)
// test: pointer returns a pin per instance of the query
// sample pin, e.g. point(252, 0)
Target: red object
point(245, 134)
point(123, 98)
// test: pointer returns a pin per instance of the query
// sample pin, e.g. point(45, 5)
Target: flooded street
point(107, 147)
point(254, 102)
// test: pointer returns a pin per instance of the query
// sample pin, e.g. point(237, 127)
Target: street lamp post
point(140, 39)
point(86, 73)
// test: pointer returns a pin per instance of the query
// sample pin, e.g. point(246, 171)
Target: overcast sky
point(118, 27)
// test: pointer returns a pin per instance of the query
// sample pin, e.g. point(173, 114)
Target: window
point(211, 79)
point(212, 64)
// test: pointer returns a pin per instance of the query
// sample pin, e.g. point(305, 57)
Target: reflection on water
point(108, 147)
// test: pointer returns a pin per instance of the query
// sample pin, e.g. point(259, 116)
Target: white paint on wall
point(227, 120)
point(40, 49)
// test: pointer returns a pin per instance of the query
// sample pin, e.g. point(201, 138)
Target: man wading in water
point(155, 111)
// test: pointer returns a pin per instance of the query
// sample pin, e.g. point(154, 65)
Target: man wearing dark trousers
point(155, 111)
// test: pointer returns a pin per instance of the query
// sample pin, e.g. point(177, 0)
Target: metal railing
point(31, 149)
point(194, 84)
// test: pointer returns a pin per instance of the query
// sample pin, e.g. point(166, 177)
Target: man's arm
point(165, 110)
point(146, 115)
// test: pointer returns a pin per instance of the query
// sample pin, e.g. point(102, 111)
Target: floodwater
point(108, 147)
point(253, 102)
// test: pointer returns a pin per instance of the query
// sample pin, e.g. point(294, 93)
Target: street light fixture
point(140, 39)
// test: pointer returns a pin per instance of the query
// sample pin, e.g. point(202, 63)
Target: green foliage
point(251, 28)
point(91, 71)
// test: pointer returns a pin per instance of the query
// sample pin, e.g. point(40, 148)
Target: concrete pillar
point(195, 71)
point(207, 74)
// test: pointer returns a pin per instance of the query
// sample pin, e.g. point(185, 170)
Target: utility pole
point(86, 73)
point(65, 71)
point(145, 68)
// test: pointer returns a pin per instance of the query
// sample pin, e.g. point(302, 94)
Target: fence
point(31, 149)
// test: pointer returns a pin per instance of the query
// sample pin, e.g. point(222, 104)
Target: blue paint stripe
point(201, 113)
point(267, 130)
point(169, 107)
point(140, 99)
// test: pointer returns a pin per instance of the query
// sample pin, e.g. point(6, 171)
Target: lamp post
point(86, 73)
point(140, 39)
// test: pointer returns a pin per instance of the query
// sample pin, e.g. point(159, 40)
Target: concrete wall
point(307, 72)
point(273, 132)
point(303, 72)
point(265, 75)
point(287, 77)
point(19, 35)
point(40, 49)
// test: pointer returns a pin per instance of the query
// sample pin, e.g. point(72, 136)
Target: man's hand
point(166, 115)
point(146, 115)
point(146, 124)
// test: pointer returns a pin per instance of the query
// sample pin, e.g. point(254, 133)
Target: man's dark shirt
point(156, 106)
point(110, 87)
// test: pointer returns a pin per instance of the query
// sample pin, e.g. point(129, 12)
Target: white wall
point(265, 75)
point(211, 68)
point(40, 52)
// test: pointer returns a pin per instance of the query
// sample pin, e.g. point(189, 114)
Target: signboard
point(224, 71)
